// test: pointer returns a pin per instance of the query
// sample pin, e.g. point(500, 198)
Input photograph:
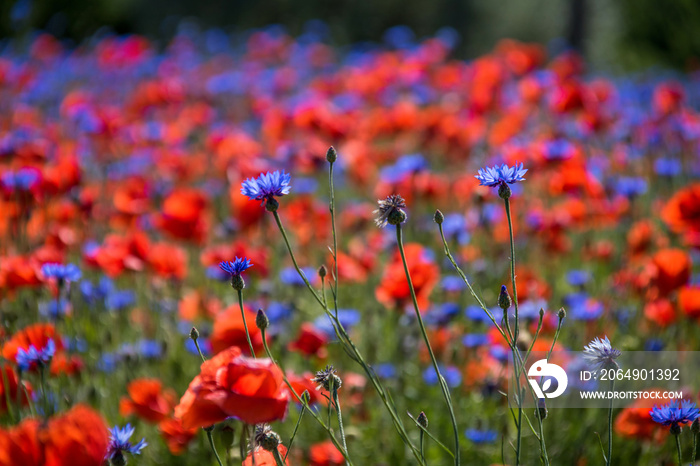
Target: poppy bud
point(322, 271)
point(331, 155)
point(194, 333)
point(261, 320)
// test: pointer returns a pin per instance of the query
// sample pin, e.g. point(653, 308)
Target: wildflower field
point(263, 249)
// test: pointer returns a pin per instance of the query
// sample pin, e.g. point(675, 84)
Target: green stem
point(278, 459)
point(245, 324)
point(8, 402)
point(420, 443)
point(443, 384)
point(610, 426)
point(45, 398)
point(296, 428)
point(695, 445)
point(199, 350)
point(340, 419)
point(678, 447)
point(335, 237)
point(213, 447)
point(354, 353)
point(300, 400)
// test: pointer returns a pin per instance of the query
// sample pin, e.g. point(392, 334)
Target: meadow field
point(238, 248)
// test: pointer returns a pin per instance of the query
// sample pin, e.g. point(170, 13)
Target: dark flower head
point(64, 273)
point(600, 354)
point(674, 414)
point(266, 437)
point(26, 359)
point(236, 267)
point(266, 186)
point(390, 211)
point(119, 444)
point(323, 379)
point(499, 176)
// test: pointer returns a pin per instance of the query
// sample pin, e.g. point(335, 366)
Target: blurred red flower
point(231, 384)
point(393, 289)
point(230, 331)
point(9, 387)
point(682, 214)
point(310, 342)
point(175, 435)
point(148, 400)
point(183, 215)
point(37, 335)
point(265, 458)
point(325, 454)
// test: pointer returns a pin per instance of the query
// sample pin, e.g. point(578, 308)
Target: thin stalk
point(213, 447)
point(352, 350)
point(8, 402)
point(340, 419)
point(556, 336)
point(44, 396)
point(443, 384)
point(420, 443)
point(296, 428)
point(610, 427)
point(245, 325)
point(678, 447)
point(300, 400)
point(278, 459)
point(695, 445)
point(199, 350)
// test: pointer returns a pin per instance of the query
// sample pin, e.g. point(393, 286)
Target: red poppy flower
point(265, 458)
point(672, 270)
point(660, 312)
point(310, 342)
point(635, 422)
point(63, 363)
point(168, 261)
point(682, 213)
point(230, 331)
point(232, 385)
point(183, 215)
point(302, 383)
point(20, 445)
point(175, 435)
point(325, 454)
point(393, 289)
point(77, 438)
point(147, 400)
point(689, 300)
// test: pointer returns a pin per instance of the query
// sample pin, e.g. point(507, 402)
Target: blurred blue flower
point(667, 167)
point(451, 374)
point(472, 340)
point(66, 273)
point(120, 299)
point(477, 314)
point(442, 314)
point(452, 283)
point(27, 359)
point(385, 370)
point(348, 317)
point(578, 277)
point(481, 436)
point(289, 276)
point(54, 309)
point(630, 186)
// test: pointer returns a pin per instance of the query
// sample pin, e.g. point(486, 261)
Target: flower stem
point(245, 324)
point(354, 353)
point(443, 384)
point(610, 426)
point(340, 419)
point(296, 428)
point(213, 447)
point(678, 447)
point(420, 443)
point(45, 398)
point(278, 459)
point(695, 445)
point(516, 329)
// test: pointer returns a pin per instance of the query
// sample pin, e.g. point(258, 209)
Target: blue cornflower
point(499, 176)
point(237, 267)
point(451, 374)
point(630, 186)
point(472, 340)
point(578, 277)
point(481, 436)
point(673, 414)
point(120, 299)
point(266, 186)
point(62, 273)
point(600, 354)
point(119, 444)
point(26, 359)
